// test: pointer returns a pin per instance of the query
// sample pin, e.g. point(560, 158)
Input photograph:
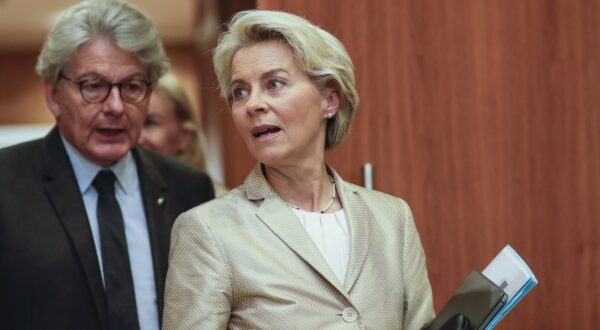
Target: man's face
point(102, 132)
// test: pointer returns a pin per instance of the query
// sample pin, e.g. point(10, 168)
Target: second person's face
point(276, 107)
point(162, 130)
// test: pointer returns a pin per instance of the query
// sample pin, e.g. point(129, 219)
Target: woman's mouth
point(264, 130)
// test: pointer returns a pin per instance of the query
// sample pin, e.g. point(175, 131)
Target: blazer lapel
point(358, 216)
point(61, 186)
point(283, 223)
point(154, 191)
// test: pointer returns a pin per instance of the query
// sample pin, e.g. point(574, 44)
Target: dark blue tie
point(118, 281)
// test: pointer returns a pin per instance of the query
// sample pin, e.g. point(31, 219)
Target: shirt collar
point(85, 170)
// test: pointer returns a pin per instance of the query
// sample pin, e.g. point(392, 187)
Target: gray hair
point(118, 21)
point(319, 54)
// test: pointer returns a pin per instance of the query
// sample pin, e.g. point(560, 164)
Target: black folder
point(478, 299)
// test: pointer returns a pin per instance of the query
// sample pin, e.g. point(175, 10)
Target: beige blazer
point(244, 261)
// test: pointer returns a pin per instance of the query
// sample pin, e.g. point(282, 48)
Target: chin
point(271, 160)
point(109, 156)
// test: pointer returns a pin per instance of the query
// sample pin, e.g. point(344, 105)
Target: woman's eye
point(239, 93)
point(274, 84)
point(150, 121)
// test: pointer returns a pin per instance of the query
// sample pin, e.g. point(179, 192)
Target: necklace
point(331, 201)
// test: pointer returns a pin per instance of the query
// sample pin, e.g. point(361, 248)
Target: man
point(85, 217)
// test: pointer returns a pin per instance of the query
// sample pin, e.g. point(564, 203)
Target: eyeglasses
point(97, 90)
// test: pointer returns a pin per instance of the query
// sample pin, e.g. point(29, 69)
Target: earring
point(329, 115)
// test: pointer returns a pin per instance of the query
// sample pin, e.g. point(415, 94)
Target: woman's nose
point(256, 103)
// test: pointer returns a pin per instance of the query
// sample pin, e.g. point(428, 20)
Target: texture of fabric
point(243, 261)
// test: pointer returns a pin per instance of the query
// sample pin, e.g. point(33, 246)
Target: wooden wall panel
point(21, 97)
point(484, 116)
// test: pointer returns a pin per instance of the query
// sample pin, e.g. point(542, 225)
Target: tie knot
point(104, 182)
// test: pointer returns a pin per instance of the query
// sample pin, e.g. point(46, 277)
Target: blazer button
point(349, 314)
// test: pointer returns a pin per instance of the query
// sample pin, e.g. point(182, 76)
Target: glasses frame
point(119, 85)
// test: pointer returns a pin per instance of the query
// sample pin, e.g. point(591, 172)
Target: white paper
point(509, 272)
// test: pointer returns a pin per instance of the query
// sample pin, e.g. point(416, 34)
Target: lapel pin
point(160, 201)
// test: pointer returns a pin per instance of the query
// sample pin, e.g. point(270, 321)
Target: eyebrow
point(264, 75)
point(95, 75)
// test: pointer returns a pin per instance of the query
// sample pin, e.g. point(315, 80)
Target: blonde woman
point(295, 246)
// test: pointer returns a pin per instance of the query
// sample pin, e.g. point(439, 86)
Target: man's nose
point(114, 103)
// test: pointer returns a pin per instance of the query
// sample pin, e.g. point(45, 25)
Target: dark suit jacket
point(49, 272)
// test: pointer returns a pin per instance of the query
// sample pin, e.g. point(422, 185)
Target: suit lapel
point(358, 216)
point(283, 223)
point(154, 189)
point(61, 186)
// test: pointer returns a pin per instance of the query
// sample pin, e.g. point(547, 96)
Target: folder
point(478, 299)
point(512, 274)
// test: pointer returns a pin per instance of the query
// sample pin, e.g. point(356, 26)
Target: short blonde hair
point(187, 118)
point(320, 55)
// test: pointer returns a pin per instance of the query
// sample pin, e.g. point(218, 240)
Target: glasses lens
point(134, 90)
point(94, 90)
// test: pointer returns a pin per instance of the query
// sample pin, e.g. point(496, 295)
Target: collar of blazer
point(55, 160)
point(273, 211)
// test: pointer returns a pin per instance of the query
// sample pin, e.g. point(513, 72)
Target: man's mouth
point(110, 131)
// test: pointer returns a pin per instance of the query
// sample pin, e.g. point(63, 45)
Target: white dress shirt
point(329, 231)
point(129, 196)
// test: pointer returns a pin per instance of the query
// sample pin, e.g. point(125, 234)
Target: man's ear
point(331, 99)
point(51, 95)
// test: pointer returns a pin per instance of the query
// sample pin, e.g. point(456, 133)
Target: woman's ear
point(185, 138)
point(331, 102)
point(51, 96)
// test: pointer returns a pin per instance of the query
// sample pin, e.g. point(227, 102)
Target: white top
point(129, 196)
point(330, 233)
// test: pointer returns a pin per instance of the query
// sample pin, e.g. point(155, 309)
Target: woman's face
point(162, 132)
point(276, 107)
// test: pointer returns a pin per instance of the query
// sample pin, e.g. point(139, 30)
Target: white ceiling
point(25, 23)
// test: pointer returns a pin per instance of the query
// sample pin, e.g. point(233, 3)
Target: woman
point(172, 126)
point(294, 246)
